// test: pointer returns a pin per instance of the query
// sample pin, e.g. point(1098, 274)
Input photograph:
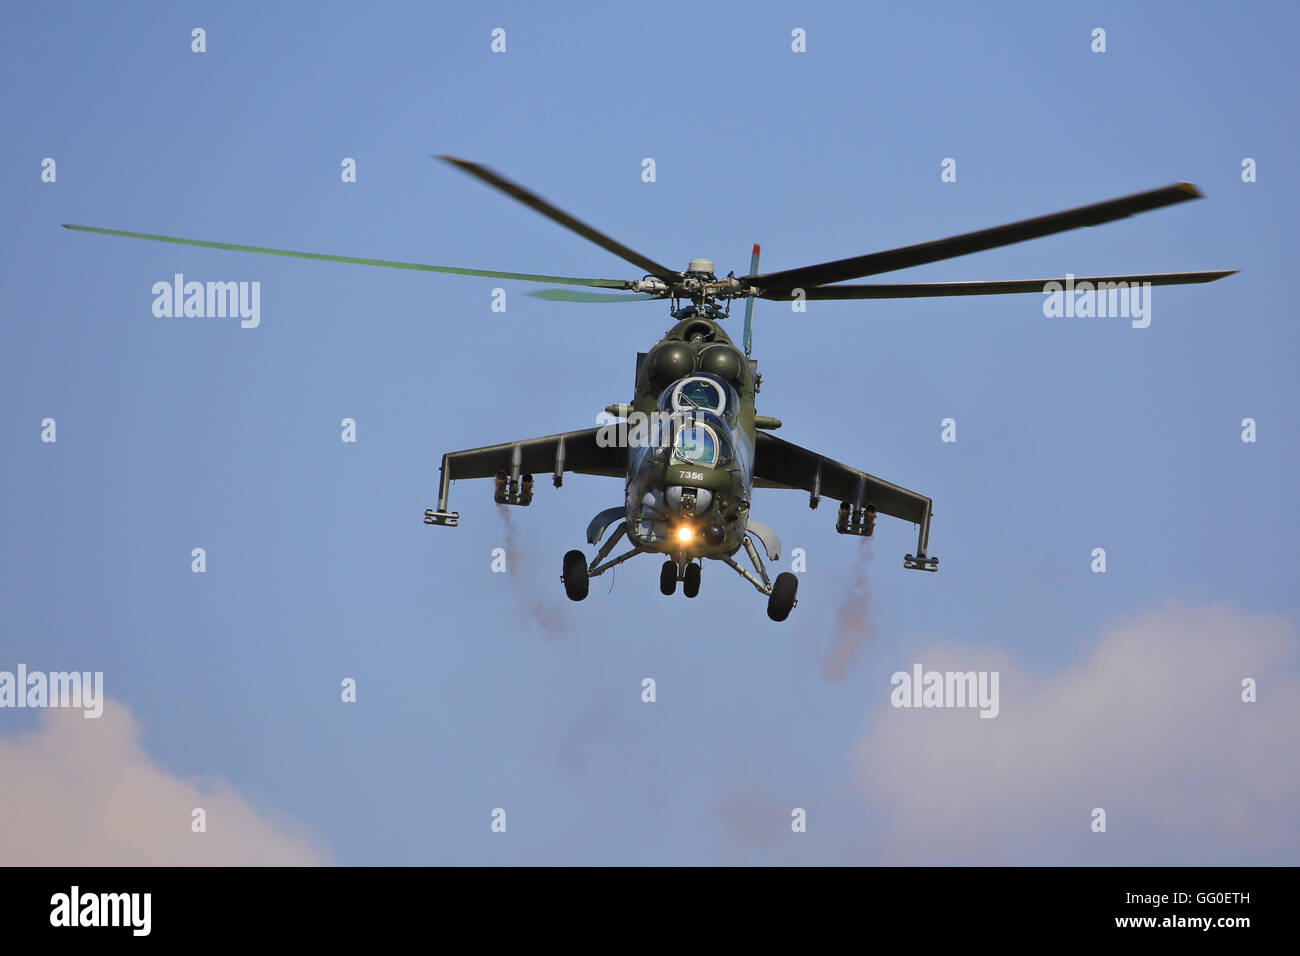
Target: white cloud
point(80, 792)
point(1151, 727)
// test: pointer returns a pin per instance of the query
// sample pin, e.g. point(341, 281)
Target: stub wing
point(782, 464)
point(579, 452)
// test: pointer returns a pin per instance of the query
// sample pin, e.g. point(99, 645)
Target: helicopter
point(690, 447)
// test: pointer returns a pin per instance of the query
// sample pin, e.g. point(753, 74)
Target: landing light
point(684, 534)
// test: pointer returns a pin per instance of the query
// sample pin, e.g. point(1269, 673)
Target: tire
point(691, 586)
point(576, 582)
point(668, 577)
point(781, 600)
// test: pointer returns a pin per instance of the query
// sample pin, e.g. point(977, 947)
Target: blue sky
point(479, 690)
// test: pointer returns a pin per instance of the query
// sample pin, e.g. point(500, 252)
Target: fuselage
point(691, 444)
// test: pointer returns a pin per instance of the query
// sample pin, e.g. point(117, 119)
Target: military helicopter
point(690, 447)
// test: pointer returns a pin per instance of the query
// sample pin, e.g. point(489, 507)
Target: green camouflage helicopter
point(690, 446)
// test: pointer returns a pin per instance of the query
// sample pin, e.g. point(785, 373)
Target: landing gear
point(781, 600)
point(575, 577)
point(691, 583)
point(668, 577)
point(780, 593)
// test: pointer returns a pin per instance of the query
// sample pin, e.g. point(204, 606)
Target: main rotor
point(700, 285)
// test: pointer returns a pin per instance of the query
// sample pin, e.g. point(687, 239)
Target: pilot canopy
point(701, 440)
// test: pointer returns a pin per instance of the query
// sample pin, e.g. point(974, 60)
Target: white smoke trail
point(853, 624)
point(550, 617)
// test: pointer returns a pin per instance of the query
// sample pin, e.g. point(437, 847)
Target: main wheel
point(691, 585)
point(575, 577)
point(781, 600)
point(668, 577)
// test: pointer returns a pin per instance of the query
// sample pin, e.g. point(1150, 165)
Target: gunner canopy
point(703, 391)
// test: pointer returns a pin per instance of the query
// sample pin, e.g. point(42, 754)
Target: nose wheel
point(690, 578)
point(668, 577)
point(691, 582)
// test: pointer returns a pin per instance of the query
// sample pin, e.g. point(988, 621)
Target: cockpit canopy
point(700, 438)
point(697, 443)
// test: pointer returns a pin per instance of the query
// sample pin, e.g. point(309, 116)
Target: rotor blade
point(749, 303)
point(573, 295)
point(907, 256)
point(564, 219)
point(927, 289)
point(487, 273)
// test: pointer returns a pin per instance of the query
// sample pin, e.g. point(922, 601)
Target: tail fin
point(749, 304)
